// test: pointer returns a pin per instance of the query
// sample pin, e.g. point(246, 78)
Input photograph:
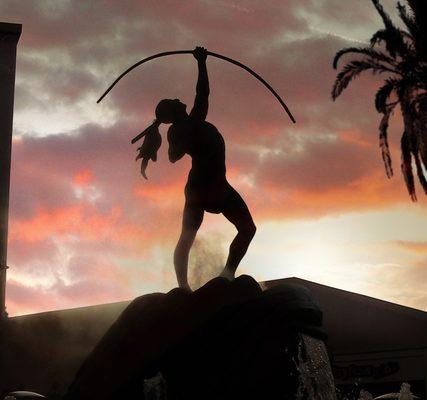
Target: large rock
point(226, 340)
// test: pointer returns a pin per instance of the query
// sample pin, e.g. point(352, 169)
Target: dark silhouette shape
point(227, 340)
point(169, 53)
point(207, 188)
point(152, 143)
point(404, 60)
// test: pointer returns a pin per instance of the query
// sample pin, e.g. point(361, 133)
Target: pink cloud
point(82, 190)
point(84, 177)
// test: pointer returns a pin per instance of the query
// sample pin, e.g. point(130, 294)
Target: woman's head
point(169, 111)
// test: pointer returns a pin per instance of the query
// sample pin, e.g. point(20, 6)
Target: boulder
point(226, 340)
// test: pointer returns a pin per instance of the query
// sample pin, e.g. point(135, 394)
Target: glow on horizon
point(341, 251)
point(343, 225)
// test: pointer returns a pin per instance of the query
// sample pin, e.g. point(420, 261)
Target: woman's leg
point(191, 221)
point(237, 212)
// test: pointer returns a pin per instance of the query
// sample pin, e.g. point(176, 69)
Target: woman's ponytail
point(156, 123)
point(150, 146)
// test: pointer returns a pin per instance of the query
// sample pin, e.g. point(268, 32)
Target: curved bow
point(169, 53)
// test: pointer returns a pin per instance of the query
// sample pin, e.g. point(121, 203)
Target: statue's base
point(226, 340)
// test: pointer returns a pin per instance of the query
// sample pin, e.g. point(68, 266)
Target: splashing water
point(206, 260)
point(315, 381)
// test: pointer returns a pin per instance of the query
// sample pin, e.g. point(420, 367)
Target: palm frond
point(419, 16)
point(388, 23)
point(420, 171)
point(420, 103)
point(406, 165)
point(408, 20)
point(421, 72)
point(419, 11)
point(376, 55)
point(385, 150)
point(391, 35)
point(384, 93)
point(421, 100)
point(353, 69)
point(417, 6)
point(394, 42)
point(409, 37)
point(402, 53)
point(378, 37)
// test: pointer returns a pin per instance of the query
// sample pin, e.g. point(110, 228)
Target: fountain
point(226, 340)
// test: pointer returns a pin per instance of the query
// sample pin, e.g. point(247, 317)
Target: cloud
point(403, 284)
point(79, 207)
point(28, 298)
point(412, 246)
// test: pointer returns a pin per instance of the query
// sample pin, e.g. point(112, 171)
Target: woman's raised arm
point(201, 103)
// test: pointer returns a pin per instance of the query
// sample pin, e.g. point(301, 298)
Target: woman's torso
point(205, 144)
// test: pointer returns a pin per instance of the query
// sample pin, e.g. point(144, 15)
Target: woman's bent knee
point(248, 230)
point(252, 230)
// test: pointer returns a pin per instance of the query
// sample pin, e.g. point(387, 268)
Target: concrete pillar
point(9, 36)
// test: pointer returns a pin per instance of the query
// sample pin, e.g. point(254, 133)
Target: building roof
point(358, 323)
point(354, 322)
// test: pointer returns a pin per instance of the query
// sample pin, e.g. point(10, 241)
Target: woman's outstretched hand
point(200, 53)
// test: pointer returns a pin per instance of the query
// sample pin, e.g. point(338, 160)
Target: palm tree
point(401, 55)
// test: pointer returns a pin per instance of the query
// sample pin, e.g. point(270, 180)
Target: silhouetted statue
point(150, 146)
point(207, 188)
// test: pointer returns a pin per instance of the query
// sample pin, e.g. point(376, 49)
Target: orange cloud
point(412, 246)
point(369, 192)
point(84, 177)
point(85, 221)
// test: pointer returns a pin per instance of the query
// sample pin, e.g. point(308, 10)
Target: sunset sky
point(85, 227)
